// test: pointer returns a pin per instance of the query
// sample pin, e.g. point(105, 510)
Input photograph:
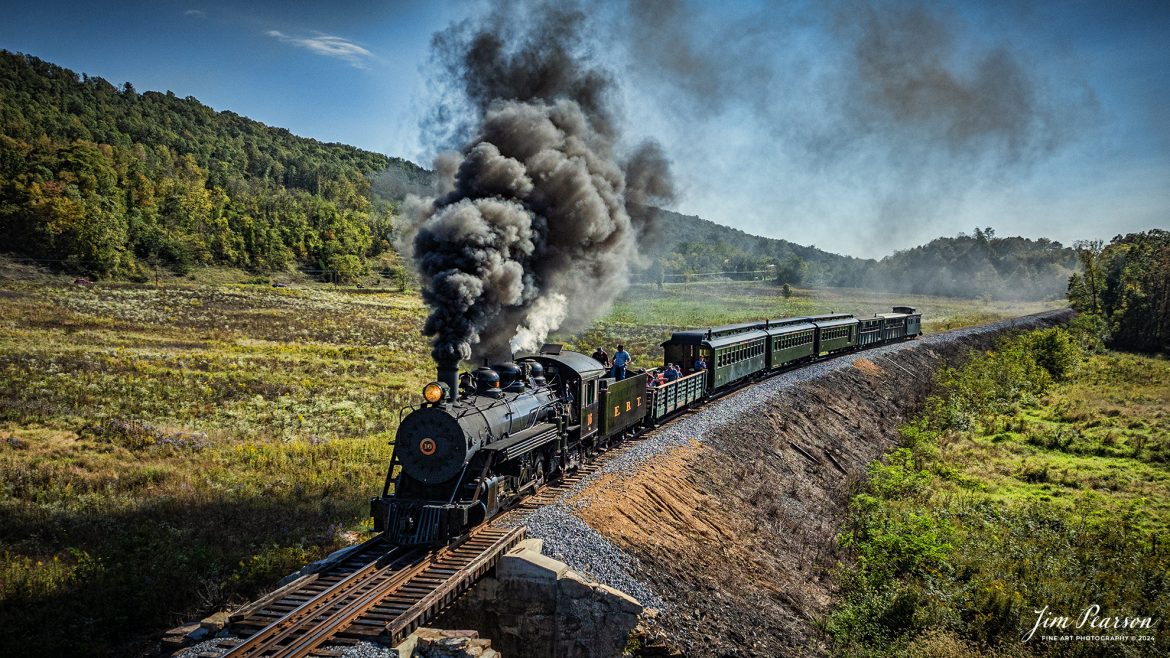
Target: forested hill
point(687, 244)
point(111, 182)
point(980, 265)
point(975, 265)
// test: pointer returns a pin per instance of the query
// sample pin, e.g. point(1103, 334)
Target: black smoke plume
point(533, 229)
point(908, 77)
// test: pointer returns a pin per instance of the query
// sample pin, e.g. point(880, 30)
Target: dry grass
point(167, 450)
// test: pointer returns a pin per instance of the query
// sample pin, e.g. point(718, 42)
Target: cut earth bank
point(726, 519)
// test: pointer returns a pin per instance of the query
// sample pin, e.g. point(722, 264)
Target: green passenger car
point(835, 333)
point(913, 320)
point(738, 356)
point(789, 340)
point(869, 331)
point(732, 352)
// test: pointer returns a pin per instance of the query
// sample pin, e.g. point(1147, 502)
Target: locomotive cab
point(578, 378)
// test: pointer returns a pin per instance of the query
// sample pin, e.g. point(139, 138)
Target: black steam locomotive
point(483, 440)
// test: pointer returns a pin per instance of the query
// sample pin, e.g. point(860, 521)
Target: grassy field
point(166, 451)
point(1012, 493)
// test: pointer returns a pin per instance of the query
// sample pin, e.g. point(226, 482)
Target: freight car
point(480, 442)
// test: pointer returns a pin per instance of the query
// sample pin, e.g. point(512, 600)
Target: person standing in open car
point(601, 357)
point(620, 359)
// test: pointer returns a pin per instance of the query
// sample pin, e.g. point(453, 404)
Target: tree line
point(1126, 286)
point(973, 265)
point(110, 182)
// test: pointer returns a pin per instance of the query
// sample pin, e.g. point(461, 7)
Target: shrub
point(1055, 351)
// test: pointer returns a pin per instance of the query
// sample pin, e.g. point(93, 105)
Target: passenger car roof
point(734, 339)
point(834, 320)
point(799, 324)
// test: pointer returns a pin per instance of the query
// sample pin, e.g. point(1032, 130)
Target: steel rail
point(269, 637)
point(420, 585)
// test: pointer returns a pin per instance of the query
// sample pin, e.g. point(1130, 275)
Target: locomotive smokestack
point(449, 375)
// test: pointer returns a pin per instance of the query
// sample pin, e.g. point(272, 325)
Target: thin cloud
point(195, 13)
point(329, 46)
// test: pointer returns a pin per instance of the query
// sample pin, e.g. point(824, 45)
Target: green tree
point(109, 181)
point(1085, 286)
point(1127, 283)
point(791, 270)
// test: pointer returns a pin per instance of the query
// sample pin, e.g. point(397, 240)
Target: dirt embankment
point(736, 531)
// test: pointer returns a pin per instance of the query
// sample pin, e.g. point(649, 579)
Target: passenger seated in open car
point(654, 377)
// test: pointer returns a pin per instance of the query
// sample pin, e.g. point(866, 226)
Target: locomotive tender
point(483, 440)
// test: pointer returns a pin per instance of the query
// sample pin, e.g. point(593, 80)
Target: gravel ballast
point(585, 550)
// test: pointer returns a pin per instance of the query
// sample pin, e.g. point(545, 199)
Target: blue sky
point(1039, 119)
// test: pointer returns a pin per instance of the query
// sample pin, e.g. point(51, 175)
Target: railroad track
point(376, 593)
point(382, 593)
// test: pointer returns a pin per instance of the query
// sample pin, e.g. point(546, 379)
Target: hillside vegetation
point(1036, 477)
point(979, 265)
point(110, 182)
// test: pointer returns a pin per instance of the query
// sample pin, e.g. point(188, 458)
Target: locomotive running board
point(529, 439)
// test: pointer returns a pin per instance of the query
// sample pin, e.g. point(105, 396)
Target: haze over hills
point(106, 181)
point(978, 264)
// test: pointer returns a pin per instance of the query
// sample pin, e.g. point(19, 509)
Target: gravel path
point(570, 540)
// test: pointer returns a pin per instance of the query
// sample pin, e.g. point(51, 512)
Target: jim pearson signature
point(1091, 617)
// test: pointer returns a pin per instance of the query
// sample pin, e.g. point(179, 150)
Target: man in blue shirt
point(619, 363)
point(671, 373)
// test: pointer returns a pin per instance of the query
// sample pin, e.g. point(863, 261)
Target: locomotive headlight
point(434, 392)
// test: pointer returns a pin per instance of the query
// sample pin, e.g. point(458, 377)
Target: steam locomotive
point(482, 440)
